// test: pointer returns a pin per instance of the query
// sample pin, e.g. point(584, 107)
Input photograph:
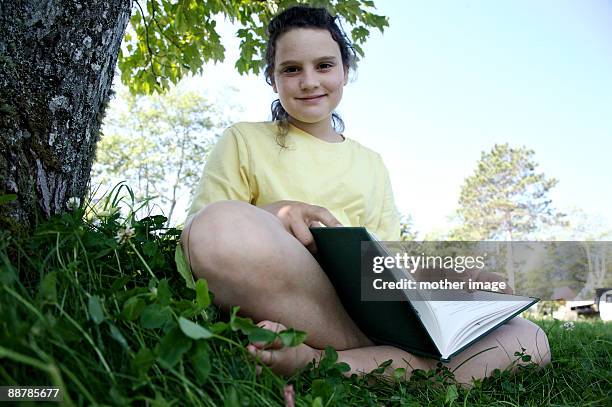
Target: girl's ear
point(274, 85)
point(345, 75)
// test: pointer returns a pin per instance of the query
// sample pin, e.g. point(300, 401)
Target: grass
point(114, 323)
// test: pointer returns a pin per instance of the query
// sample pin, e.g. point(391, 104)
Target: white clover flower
point(73, 203)
point(569, 326)
point(108, 213)
point(123, 235)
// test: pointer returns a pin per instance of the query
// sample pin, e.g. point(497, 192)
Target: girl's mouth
point(311, 98)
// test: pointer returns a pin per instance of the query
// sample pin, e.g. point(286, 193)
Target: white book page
point(452, 324)
point(460, 322)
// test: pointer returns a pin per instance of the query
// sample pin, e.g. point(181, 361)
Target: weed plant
point(102, 305)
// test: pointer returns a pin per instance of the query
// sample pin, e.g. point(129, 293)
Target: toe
point(260, 355)
point(274, 327)
point(266, 357)
point(271, 326)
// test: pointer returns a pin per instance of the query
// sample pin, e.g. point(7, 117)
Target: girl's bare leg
point(495, 351)
point(250, 260)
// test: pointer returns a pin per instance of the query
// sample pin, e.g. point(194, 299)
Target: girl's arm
point(226, 175)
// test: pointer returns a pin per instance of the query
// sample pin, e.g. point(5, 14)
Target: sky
point(449, 79)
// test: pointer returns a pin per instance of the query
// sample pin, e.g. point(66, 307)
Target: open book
point(435, 328)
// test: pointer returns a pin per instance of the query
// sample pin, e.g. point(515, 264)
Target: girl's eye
point(325, 65)
point(291, 69)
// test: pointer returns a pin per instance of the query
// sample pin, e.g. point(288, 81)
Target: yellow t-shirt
point(347, 178)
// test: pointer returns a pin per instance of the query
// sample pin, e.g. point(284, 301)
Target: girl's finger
point(324, 216)
point(300, 230)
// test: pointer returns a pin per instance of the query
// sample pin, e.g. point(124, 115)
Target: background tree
point(407, 230)
point(57, 65)
point(158, 144)
point(589, 234)
point(505, 199)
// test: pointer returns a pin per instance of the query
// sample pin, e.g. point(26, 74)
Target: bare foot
point(281, 359)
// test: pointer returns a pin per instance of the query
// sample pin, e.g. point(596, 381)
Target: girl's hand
point(297, 217)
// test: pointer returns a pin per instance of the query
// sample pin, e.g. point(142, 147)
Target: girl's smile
point(311, 99)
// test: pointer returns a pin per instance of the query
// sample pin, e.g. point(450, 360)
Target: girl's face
point(308, 74)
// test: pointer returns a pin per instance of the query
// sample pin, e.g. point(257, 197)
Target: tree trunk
point(57, 62)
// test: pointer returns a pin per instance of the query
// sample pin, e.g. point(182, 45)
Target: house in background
point(570, 309)
point(603, 302)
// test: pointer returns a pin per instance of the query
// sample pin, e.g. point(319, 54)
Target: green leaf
point(329, 359)
point(331, 354)
point(132, 308)
point(262, 335)
point(291, 337)
point(116, 334)
point(200, 361)
point(245, 325)
point(399, 373)
point(155, 316)
point(172, 346)
point(451, 394)
point(386, 363)
point(202, 296)
point(183, 267)
point(119, 283)
point(95, 309)
point(322, 388)
point(193, 330)
point(179, 19)
point(143, 360)
point(153, 222)
point(163, 292)
point(7, 198)
point(150, 249)
point(218, 327)
point(48, 287)
point(343, 367)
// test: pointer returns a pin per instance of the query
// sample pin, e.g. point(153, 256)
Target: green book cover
point(395, 323)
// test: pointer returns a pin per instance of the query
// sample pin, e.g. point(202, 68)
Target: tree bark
point(57, 62)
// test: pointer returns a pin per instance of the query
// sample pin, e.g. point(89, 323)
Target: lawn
point(96, 305)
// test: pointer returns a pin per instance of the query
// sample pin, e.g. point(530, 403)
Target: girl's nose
point(309, 80)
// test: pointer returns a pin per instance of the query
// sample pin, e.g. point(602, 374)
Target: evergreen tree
point(506, 198)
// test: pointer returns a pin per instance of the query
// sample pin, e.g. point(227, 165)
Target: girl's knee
point(534, 340)
point(541, 352)
point(222, 234)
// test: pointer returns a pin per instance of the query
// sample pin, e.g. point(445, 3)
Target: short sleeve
point(389, 226)
point(226, 173)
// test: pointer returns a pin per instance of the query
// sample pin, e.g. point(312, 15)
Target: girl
point(266, 183)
